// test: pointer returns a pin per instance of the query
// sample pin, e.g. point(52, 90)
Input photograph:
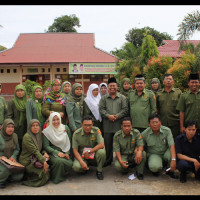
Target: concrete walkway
point(114, 183)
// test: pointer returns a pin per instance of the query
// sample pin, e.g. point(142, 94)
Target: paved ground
point(114, 183)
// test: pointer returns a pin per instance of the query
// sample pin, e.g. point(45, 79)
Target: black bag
point(37, 164)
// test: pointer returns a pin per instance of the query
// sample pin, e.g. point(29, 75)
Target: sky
point(109, 23)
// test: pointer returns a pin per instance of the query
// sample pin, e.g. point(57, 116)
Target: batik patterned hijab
point(52, 96)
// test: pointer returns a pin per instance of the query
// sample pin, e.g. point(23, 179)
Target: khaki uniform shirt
point(126, 144)
point(141, 107)
point(189, 103)
point(109, 106)
point(157, 144)
point(81, 140)
point(166, 105)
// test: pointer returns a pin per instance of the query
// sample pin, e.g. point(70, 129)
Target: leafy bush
point(156, 68)
point(181, 69)
point(29, 85)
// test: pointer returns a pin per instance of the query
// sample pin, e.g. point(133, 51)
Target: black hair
point(126, 119)
point(166, 75)
point(190, 123)
point(154, 115)
point(87, 117)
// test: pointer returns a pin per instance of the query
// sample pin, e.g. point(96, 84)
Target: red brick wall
point(8, 88)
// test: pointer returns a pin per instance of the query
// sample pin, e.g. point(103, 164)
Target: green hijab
point(78, 100)
point(38, 102)
point(122, 90)
point(157, 81)
point(37, 138)
point(11, 141)
point(20, 103)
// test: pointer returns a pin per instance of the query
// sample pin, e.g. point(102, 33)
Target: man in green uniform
point(112, 107)
point(142, 103)
point(159, 146)
point(124, 144)
point(167, 100)
point(88, 137)
point(189, 103)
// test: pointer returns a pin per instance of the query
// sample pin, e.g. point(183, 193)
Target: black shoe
point(172, 175)
point(140, 176)
point(99, 175)
point(2, 186)
point(183, 177)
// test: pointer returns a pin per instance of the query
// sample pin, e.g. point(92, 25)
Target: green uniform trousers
point(5, 175)
point(59, 169)
point(99, 160)
point(131, 161)
point(155, 161)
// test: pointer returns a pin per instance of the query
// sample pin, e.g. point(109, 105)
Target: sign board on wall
point(92, 68)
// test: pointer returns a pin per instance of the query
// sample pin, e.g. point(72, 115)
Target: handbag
point(13, 167)
point(37, 164)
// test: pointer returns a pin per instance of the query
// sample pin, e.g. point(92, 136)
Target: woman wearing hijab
point(66, 88)
point(103, 89)
point(54, 101)
point(155, 85)
point(91, 104)
point(74, 107)
point(125, 87)
point(17, 111)
point(56, 141)
point(9, 148)
point(34, 106)
point(32, 147)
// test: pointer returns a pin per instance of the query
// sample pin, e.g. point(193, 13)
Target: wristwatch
point(173, 158)
point(88, 151)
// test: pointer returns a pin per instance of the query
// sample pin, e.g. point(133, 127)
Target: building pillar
point(51, 73)
point(82, 82)
point(20, 73)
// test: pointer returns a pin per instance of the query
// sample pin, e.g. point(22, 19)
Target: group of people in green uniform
point(62, 129)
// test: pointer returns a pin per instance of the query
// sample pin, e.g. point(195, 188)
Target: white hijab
point(93, 102)
point(57, 136)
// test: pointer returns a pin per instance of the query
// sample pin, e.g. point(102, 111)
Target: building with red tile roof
point(45, 56)
point(171, 48)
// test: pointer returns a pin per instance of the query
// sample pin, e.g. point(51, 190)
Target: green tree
point(189, 25)
point(2, 48)
point(129, 66)
point(149, 49)
point(136, 36)
point(64, 24)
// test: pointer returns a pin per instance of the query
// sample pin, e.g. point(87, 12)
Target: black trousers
point(186, 166)
point(108, 141)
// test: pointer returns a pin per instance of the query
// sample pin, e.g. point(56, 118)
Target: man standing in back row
point(142, 104)
point(112, 107)
point(167, 100)
point(189, 103)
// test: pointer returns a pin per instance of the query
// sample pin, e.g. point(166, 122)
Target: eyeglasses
point(56, 85)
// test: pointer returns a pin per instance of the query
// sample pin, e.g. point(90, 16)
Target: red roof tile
point(55, 48)
point(171, 48)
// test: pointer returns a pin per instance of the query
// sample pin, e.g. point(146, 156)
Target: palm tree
point(189, 25)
